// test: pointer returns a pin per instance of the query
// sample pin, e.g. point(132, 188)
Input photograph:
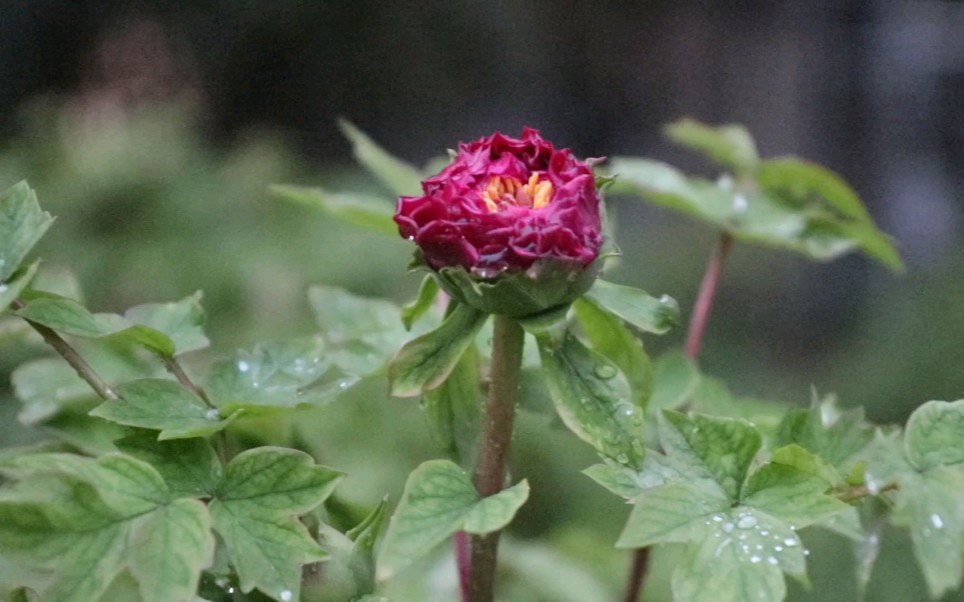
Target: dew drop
point(755, 559)
point(772, 560)
point(605, 371)
point(717, 518)
point(806, 552)
point(747, 521)
point(3, 288)
point(212, 415)
point(231, 590)
point(789, 542)
point(727, 527)
point(243, 366)
point(937, 521)
point(285, 595)
point(739, 203)
point(778, 548)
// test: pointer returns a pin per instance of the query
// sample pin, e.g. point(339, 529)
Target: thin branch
point(175, 368)
point(694, 339)
point(70, 355)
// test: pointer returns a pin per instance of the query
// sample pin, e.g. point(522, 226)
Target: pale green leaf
point(453, 410)
point(635, 306)
point(935, 434)
point(427, 293)
point(629, 482)
point(836, 436)
point(675, 378)
point(67, 316)
point(593, 399)
point(262, 490)
point(19, 280)
point(370, 212)
point(439, 499)
point(400, 177)
point(609, 337)
point(162, 405)
point(666, 514)
point(731, 146)
point(425, 361)
point(170, 549)
point(190, 467)
point(180, 321)
point(22, 224)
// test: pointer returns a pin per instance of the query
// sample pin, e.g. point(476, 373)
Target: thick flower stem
point(694, 338)
point(507, 339)
point(70, 355)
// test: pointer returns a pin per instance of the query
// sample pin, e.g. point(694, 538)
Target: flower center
point(502, 192)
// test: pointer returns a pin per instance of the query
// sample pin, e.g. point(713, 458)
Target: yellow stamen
point(501, 192)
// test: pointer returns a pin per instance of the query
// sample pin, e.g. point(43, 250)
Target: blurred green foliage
point(147, 210)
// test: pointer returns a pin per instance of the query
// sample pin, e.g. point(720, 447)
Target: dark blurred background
point(152, 129)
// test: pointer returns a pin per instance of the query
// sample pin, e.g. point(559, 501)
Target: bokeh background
point(153, 129)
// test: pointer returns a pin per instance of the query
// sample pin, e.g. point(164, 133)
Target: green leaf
point(67, 316)
point(162, 405)
point(362, 333)
point(935, 435)
point(731, 146)
point(427, 293)
point(87, 520)
point(635, 306)
point(675, 378)
point(610, 338)
point(453, 409)
point(350, 570)
point(49, 386)
point(283, 374)
point(400, 177)
point(170, 549)
point(20, 279)
point(824, 429)
point(22, 224)
point(190, 467)
point(370, 212)
point(180, 321)
point(439, 499)
point(750, 214)
point(23, 594)
point(593, 399)
point(718, 449)
point(792, 488)
point(926, 466)
point(628, 482)
point(738, 563)
point(802, 184)
point(424, 362)
point(666, 514)
point(262, 490)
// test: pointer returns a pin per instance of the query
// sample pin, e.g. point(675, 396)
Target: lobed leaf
point(262, 490)
point(439, 499)
point(181, 323)
point(18, 281)
point(162, 405)
point(190, 467)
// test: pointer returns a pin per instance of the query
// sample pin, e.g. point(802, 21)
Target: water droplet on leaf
point(605, 371)
point(747, 521)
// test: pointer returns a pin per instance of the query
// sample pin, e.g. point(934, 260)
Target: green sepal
point(550, 283)
point(427, 293)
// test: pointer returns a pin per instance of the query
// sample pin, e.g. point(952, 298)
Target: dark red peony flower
point(506, 206)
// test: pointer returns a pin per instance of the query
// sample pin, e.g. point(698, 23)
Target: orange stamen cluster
point(502, 192)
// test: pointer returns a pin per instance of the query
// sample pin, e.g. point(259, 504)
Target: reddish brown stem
point(694, 338)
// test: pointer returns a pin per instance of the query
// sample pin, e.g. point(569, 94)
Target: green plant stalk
point(507, 339)
point(694, 339)
point(70, 355)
